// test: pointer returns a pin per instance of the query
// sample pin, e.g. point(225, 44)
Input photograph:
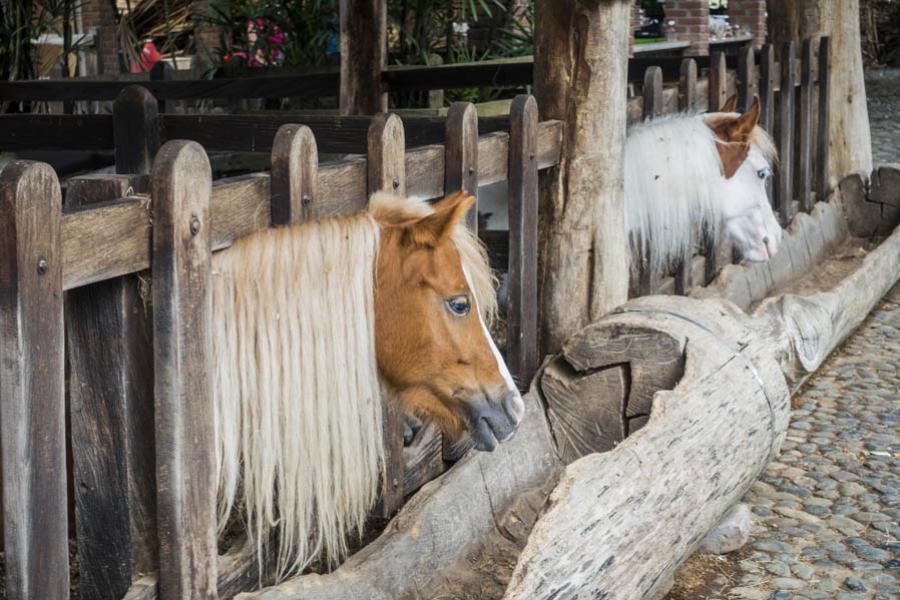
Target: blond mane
point(297, 391)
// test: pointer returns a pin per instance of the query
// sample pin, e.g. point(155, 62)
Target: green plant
point(517, 38)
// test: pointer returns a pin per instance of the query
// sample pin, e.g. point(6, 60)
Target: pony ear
point(730, 104)
point(738, 129)
point(431, 230)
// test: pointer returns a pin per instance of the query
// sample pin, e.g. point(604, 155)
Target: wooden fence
point(797, 121)
point(140, 510)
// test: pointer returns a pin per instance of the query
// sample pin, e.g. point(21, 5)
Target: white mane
point(672, 177)
point(298, 399)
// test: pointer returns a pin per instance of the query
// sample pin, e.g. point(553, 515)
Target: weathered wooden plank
point(652, 93)
point(110, 390)
point(294, 179)
point(823, 185)
point(767, 74)
point(687, 102)
point(804, 116)
point(461, 155)
point(784, 181)
point(185, 436)
point(136, 124)
point(423, 459)
point(746, 77)
point(386, 162)
point(32, 411)
point(522, 307)
point(586, 414)
point(56, 132)
point(718, 81)
point(363, 56)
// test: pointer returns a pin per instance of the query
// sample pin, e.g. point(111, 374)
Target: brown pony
point(314, 326)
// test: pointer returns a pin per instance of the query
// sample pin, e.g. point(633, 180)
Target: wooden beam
point(461, 155)
point(522, 305)
point(784, 196)
point(32, 411)
point(386, 172)
point(56, 132)
point(111, 395)
point(363, 56)
point(687, 102)
point(823, 184)
point(805, 116)
point(185, 436)
point(746, 77)
point(136, 125)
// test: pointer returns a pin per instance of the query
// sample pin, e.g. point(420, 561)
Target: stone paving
point(883, 95)
point(827, 510)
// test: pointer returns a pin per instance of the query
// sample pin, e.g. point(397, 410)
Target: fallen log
point(620, 523)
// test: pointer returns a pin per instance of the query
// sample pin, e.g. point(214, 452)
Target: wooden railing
point(119, 230)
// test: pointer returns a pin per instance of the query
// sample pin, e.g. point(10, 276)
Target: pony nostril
point(766, 240)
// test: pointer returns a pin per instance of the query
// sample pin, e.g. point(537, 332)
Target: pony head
point(433, 294)
point(746, 152)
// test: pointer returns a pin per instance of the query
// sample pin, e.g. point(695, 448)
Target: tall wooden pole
point(363, 56)
point(581, 62)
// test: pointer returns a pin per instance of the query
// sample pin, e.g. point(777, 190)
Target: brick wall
point(688, 21)
point(98, 15)
point(750, 15)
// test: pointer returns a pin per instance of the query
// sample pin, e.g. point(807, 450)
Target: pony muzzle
point(494, 421)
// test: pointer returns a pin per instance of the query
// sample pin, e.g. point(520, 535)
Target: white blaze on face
point(749, 221)
point(518, 403)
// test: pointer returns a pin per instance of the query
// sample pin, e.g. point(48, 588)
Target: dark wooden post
point(111, 382)
point(32, 411)
point(687, 102)
point(136, 128)
point(522, 311)
point(784, 196)
point(185, 436)
point(822, 183)
point(718, 250)
point(767, 74)
point(295, 175)
point(387, 172)
point(163, 71)
point(687, 85)
point(746, 77)
point(111, 396)
point(718, 79)
point(363, 56)
point(652, 93)
point(461, 155)
point(804, 162)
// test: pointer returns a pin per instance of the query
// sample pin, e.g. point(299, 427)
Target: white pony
point(689, 172)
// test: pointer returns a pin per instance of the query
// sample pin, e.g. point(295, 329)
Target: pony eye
point(459, 305)
point(762, 173)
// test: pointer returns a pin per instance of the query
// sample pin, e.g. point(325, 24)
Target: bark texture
point(581, 61)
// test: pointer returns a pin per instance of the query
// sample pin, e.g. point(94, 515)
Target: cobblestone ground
point(883, 92)
point(827, 510)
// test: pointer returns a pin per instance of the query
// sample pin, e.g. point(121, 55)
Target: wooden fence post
point(363, 56)
point(687, 102)
point(718, 250)
point(185, 436)
point(162, 71)
point(767, 87)
point(522, 311)
point(111, 396)
point(136, 128)
point(387, 172)
point(822, 186)
point(804, 162)
point(295, 175)
point(32, 411)
point(784, 197)
point(461, 155)
point(746, 77)
point(652, 93)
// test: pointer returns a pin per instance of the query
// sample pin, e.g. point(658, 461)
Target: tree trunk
point(850, 144)
point(581, 60)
